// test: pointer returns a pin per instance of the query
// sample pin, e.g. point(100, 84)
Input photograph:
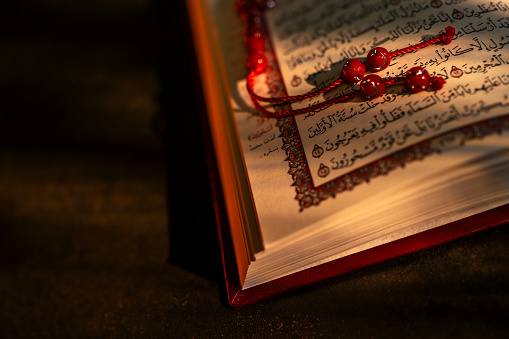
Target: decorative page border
point(307, 194)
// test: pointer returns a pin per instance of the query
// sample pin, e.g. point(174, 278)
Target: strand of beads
point(417, 79)
point(353, 71)
point(379, 58)
point(371, 86)
point(251, 12)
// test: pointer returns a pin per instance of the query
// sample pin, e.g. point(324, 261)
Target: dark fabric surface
point(106, 225)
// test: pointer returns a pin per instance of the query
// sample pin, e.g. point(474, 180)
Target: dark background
point(106, 226)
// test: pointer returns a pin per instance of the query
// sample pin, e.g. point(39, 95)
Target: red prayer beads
point(257, 63)
point(417, 79)
point(372, 86)
point(378, 59)
point(251, 12)
point(353, 71)
point(256, 43)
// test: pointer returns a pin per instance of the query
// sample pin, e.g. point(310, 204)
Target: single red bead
point(372, 86)
point(378, 59)
point(417, 79)
point(256, 43)
point(257, 62)
point(353, 71)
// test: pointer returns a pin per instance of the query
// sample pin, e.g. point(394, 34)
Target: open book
point(307, 197)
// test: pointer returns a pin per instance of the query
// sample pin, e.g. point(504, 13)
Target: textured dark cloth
point(106, 226)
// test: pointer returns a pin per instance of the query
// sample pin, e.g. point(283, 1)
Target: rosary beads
point(371, 86)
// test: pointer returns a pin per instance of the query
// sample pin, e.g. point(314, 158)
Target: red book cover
point(238, 297)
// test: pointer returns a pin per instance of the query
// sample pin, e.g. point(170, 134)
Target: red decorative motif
point(308, 195)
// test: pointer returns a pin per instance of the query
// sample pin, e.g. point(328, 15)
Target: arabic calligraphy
point(322, 35)
point(385, 117)
point(332, 29)
point(260, 132)
point(417, 128)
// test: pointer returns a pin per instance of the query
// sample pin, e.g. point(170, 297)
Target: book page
point(313, 39)
point(406, 207)
point(284, 205)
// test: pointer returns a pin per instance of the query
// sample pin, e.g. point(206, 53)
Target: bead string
point(315, 107)
point(353, 70)
point(372, 86)
point(445, 37)
point(286, 99)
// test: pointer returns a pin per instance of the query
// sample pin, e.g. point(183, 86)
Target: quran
point(307, 197)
